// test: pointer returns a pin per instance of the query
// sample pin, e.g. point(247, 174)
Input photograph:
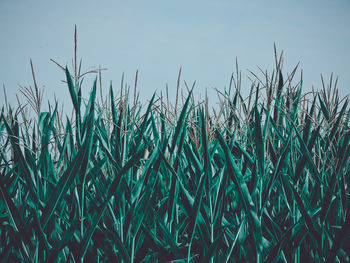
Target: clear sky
point(158, 37)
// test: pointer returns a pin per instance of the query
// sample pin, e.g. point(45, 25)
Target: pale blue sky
point(157, 37)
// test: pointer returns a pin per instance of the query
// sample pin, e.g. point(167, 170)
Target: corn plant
point(262, 179)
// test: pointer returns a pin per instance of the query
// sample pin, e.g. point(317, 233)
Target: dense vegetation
point(261, 179)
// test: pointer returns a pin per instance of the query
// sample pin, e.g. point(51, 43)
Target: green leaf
point(323, 108)
point(10, 206)
point(243, 193)
point(63, 185)
point(341, 236)
point(260, 148)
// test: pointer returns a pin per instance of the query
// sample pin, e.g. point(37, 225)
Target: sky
point(158, 37)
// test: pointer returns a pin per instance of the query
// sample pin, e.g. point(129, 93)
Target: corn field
point(260, 179)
